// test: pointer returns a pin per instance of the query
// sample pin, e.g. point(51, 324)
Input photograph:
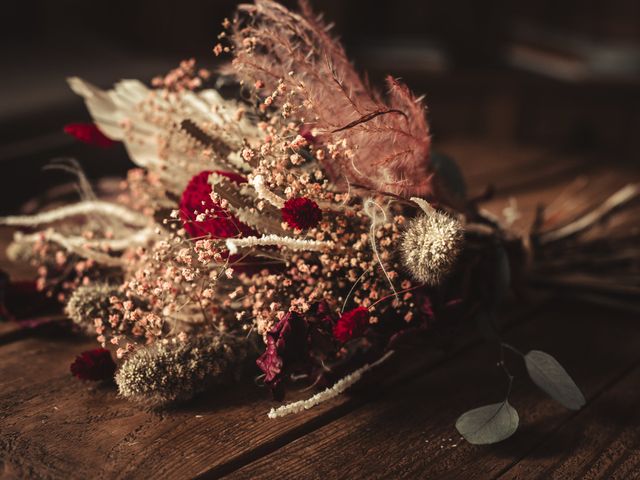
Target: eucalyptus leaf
point(551, 377)
point(488, 424)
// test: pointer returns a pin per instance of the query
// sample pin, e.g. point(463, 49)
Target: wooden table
point(53, 426)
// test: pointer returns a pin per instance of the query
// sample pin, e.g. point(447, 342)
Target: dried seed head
point(176, 371)
point(20, 250)
point(90, 302)
point(430, 246)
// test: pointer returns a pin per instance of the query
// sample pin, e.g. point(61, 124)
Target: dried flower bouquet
point(307, 228)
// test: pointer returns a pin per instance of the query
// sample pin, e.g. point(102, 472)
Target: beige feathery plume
point(159, 134)
point(388, 138)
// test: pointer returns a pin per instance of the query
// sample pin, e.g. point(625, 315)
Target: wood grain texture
point(602, 442)
point(409, 433)
point(562, 199)
point(8, 331)
point(53, 426)
point(511, 170)
point(92, 432)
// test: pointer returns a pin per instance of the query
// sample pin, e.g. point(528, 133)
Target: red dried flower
point(351, 324)
point(88, 133)
point(196, 199)
point(301, 213)
point(95, 365)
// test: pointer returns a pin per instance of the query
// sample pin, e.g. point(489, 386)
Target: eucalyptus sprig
point(496, 422)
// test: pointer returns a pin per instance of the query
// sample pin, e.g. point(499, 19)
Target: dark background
point(564, 75)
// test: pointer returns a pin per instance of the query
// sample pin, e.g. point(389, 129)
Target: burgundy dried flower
point(351, 324)
point(301, 213)
point(287, 346)
point(219, 223)
point(270, 362)
point(88, 133)
point(95, 365)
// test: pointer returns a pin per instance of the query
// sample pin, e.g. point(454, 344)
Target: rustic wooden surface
point(53, 426)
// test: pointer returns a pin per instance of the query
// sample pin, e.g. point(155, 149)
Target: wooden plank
point(12, 331)
point(93, 432)
point(601, 442)
point(409, 432)
point(561, 198)
point(8, 329)
point(508, 168)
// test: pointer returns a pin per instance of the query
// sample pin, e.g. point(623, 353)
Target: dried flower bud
point(176, 371)
point(20, 250)
point(102, 302)
point(89, 302)
point(430, 246)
